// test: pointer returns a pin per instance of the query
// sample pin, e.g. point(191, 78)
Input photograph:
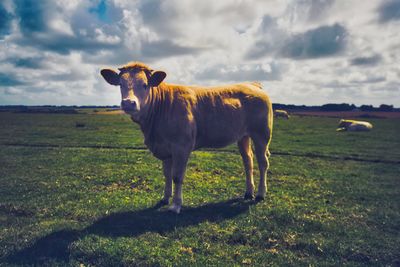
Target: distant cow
point(177, 119)
point(354, 126)
point(281, 113)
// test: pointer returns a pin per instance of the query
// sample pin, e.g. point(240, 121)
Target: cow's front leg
point(179, 161)
point(167, 170)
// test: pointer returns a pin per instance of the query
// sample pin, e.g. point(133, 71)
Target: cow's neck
point(152, 112)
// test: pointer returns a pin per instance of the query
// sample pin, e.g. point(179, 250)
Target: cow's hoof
point(248, 196)
point(161, 203)
point(175, 209)
point(259, 198)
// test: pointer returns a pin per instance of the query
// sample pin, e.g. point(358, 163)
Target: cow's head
point(135, 80)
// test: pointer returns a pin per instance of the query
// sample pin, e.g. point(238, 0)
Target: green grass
point(81, 195)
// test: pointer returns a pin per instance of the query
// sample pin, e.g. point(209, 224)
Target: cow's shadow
point(55, 246)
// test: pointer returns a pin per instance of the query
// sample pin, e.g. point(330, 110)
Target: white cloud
point(304, 52)
point(104, 38)
point(61, 26)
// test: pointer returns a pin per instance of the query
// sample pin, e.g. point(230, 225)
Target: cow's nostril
point(128, 105)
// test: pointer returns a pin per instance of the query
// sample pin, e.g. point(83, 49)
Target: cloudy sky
point(303, 51)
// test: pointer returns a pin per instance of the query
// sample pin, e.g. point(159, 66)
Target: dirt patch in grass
point(13, 210)
point(109, 112)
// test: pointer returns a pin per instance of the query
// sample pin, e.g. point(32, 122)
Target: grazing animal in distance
point(354, 126)
point(178, 119)
point(281, 113)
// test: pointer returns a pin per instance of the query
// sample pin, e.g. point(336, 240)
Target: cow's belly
point(219, 134)
point(215, 141)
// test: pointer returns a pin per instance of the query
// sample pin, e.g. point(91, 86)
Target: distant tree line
point(49, 108)
point(336, 107)
point(382, 107)
point(72, 109)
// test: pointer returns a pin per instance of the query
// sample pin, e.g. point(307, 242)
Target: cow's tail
point(270, 117)
point(270, 126)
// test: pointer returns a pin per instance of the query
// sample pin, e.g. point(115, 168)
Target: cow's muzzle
point(129, 105)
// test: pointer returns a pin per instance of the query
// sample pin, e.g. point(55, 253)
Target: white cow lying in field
point(353, 126)
point(281, 113)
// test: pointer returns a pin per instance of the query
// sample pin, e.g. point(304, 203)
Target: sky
point(308, 52)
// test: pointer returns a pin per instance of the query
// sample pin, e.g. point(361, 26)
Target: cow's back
point(225, 114)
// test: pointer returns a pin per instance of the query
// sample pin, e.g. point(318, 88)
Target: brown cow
point(354, 126)
point(177, 119)
point(281, 113)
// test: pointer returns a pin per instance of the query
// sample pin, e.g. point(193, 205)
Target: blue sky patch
point(101, 10)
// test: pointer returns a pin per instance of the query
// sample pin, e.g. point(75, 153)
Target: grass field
point(80, 189)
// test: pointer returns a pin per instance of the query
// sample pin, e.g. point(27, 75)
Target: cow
point(354, 126)
point(178, 119)
point(281, 113)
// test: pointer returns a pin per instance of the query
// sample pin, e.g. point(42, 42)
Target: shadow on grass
point(55, 246)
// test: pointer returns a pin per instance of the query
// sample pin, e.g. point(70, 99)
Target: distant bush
point(367, 108)
point(338, 107)
point(385, 107)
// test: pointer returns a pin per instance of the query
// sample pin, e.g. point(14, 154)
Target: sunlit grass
point(71, 201)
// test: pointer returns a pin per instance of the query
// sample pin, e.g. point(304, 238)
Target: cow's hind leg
point(247, 157)
point(262, 153)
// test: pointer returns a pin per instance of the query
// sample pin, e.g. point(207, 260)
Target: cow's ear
point(110, 76)
point(156, 78)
